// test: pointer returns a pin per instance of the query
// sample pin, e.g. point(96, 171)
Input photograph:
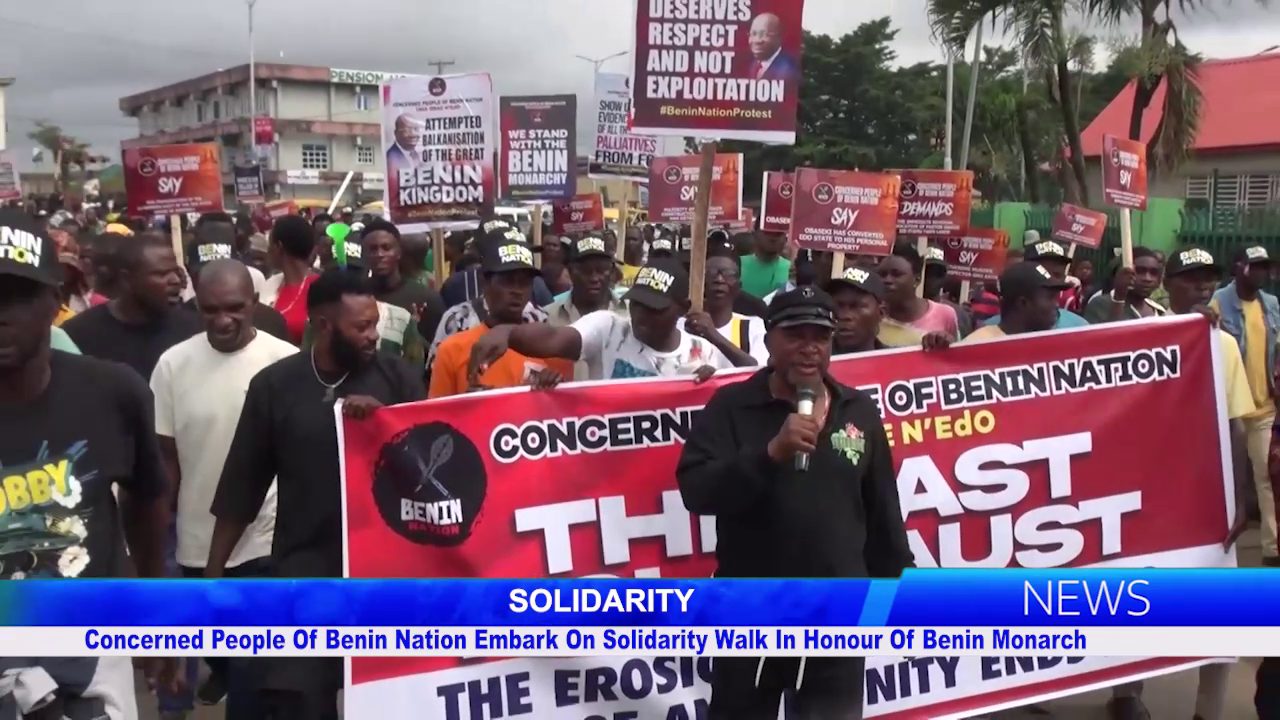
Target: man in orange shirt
point(508, 273)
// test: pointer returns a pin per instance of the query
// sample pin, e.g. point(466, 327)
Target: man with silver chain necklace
point(287, 432)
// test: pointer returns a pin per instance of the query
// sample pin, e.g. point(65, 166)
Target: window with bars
point(1235, 192)
point(364, 155)
point(315, 157)
point(199, 112)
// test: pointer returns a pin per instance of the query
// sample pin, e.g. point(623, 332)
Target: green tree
point(67, 152)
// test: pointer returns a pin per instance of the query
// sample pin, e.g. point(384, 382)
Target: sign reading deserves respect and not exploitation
point(538, 156)
point(437, 133)
point(844, 211)
point(173, 179)
point(1014, 453)
point(673, 183)
point(728, 69)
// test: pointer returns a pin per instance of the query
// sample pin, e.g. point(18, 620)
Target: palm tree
point(1041, 32)
point(66, 151)
point(1160, 56)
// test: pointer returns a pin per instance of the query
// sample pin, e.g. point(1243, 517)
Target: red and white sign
point(264, 131)
point(673, 184)
point(10, 185)
point(977, 256)
point(1082, 226)
point(728, 69)
point(1067, 471)
point(1124, 172)
point(934, 203)
point(173, 179)
point(582, 214)
point(438, 136)
point(777, 190)
point(845, 211)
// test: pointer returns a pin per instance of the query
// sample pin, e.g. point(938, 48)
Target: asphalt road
point(1169, 697)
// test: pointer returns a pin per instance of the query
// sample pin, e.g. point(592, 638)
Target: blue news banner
point(1060, 604)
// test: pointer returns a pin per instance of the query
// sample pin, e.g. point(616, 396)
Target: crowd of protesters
point(207, 446)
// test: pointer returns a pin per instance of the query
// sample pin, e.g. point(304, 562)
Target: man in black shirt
point(71, 428)
point(837, 517)
point(146, 318)
point(287, 433)
point(215, 242)
point(382, 252)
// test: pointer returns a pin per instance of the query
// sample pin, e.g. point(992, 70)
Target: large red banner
point(673, 183)
point(582, 214)
point(845, 211)
point(1124, 172)
point(1022, 452)
point(538, 159)
point(934, 203)
point(727, 69)
point(776, 193)
point(1082, 226)
point(977, 256)
point(173, 179)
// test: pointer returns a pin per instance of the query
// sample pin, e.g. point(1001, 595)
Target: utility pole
point(597, 62)
point(441, 65)
point(253, 87)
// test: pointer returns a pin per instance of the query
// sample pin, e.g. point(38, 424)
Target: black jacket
point(841, 518)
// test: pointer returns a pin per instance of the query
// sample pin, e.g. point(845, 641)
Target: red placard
point(977, 256)
point(537, 160)
point(264, 131)
point(582, 214)
point(673, 182)
point(1033, 451)
point(728, 69)
point(1082, 226)
point(746, 221)
point(934, 203)
point(172, 179)
point(845, 211)
point(1124, 172)
point(777, 190)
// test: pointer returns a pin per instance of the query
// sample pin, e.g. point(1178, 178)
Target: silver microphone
point(804, 406)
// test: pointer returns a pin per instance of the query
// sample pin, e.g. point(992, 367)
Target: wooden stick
point(1126, 237)
point(437, 255)
point(535, 215)
point(922, 247)
point(837, 265)
point(701, 206)
point(1071, 251)
point(175, 236)
point(618, 250)
point(964, 291)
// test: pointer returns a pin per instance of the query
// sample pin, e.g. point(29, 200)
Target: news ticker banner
point(1031, 452)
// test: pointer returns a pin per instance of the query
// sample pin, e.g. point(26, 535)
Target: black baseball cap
point(805, 305)
point(659, 284)
point(1252, 255)
point(26, 251)
point(1188, 259)
point(213, 241)
point(1025, 278)
point(1046, 250)
point(506, 250)
point(661, 245)
point(589, 246)
point(859, 279)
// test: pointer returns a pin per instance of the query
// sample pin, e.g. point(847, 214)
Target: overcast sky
point(74, 59)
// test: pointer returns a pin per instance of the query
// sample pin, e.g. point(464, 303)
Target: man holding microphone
point(797, 469)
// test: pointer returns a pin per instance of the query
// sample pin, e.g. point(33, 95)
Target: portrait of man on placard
point(768, 59)
point(404, 153)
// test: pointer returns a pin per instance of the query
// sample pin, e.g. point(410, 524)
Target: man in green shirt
point(765, 269)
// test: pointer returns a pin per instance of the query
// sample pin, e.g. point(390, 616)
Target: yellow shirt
point(894, 335)
point(986, 332)
point(65, 313)
point(629, 273)
point(1240, 402)
point(1255, 356)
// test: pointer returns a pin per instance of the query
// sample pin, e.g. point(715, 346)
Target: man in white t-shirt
point(647, 343)
point(199, 387)
point(739, 337)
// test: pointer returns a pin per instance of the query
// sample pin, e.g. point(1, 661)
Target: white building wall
point(4, 122)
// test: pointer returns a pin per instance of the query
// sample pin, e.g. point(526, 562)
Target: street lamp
point(253, 80)
point(597, 62)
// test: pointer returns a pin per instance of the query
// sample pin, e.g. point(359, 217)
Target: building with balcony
point(326, 123)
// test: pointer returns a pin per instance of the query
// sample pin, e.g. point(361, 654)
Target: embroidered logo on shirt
point(849, 442)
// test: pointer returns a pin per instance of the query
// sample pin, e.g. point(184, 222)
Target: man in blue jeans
point(199, 387)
